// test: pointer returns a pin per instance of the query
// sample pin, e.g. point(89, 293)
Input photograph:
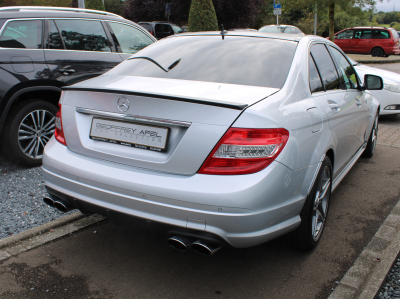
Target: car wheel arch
point(52, 95)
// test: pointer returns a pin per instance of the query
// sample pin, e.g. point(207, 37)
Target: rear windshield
point(394, 33)
point(236, 60)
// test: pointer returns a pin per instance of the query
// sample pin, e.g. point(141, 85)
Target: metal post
point(81, 3)
point(315, 20)
point(277, 19)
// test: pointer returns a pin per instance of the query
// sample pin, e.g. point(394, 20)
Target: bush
point(202, 16)
point(94, 4)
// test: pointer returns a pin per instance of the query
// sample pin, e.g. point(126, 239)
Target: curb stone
point(368, 273)
point(40, 235)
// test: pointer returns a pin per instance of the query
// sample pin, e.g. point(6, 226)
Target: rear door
point(363, 42)
point(341, 111)
point(78, 50)
point(353, 95)
point(345, 40)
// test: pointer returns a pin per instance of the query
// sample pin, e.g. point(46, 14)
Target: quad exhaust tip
point(205, 248)
point(58, 204)
point(180, 243)
point(183, 243)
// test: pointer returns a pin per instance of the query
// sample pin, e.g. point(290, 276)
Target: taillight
point(152, 32)
point(245, 151)
point(59, 132)
point(391, 43)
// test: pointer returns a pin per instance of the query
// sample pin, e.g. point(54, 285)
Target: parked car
point(225, 139)
point(377, 41)
point(43, 49)
point(241, 29)
point(281, 29)
point(161, 29)
point(389, 96)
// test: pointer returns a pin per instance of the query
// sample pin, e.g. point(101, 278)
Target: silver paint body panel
point(244, 210)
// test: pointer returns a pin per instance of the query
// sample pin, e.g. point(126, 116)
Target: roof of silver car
point(283, 36)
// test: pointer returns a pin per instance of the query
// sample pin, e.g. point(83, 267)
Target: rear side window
point(165, 28)
point(347, 34)
point(363, 34)
point(326, 67)
point(236, 60)
point(146, 26)
point(130, 39)
point(349, 75)
point(394, 33)
point(380, 34)
point(54, 37)
point(315, 80)
point(83, 35)
point(22, 34)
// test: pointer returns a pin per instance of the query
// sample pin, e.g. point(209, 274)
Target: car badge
point(123, 104)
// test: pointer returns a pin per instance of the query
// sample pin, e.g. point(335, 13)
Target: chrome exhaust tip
point(205, 248)
point(48, 201)
point(180, 243)
point(63, 206)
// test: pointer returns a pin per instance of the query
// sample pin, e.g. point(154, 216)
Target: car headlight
point(391, 86)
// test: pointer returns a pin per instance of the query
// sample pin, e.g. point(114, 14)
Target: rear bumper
point(385, 99)
point(244, 210)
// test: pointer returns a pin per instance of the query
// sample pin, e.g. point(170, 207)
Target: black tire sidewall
point(307, 212)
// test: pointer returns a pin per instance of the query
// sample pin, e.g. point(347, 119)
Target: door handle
point(333, 105)
point(66, 70)
point(358, 103)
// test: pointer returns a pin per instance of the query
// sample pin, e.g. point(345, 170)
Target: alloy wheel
point(321, 204)
point(35, 131)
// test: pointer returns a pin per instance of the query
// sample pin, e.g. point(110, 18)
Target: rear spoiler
point(230, 105)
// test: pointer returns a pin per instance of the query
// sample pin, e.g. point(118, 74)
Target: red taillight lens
point(245, 151)
point(152, 32)
point(59, 132)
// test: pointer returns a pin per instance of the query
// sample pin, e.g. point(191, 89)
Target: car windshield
point(177, 29)
point(235, 60)
point(273, 28)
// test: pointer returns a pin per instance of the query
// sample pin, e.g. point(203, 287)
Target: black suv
point(43, 49)
point(161, 29)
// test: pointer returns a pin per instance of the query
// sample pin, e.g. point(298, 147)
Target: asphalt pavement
point(107, 261)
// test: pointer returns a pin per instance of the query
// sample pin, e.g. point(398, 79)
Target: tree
point(113, 6)
point(202, 16)
point(238, 13)
point(94, 4)
point(331, 5)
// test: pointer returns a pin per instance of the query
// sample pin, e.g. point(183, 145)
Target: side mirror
point(372, 82)
point(335, 37)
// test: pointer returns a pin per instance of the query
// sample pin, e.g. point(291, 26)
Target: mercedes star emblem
point(123, 104)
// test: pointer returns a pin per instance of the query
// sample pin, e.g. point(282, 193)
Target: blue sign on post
point(168, 6)
point(277, 4)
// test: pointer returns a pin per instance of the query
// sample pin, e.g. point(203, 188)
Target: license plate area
point(129, 134)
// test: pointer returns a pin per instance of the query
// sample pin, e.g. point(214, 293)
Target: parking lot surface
point(137, 262)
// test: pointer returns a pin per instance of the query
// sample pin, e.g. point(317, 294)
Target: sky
point(387, 6)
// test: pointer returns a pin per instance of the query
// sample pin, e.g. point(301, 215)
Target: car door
point(78, 50)
point(128, 39)
point(354, 95)
point(339, 110)
point(362, 41)
point(345, 40)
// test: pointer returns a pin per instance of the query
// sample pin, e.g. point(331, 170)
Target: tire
point(378, 52)
point(371, 144)
point(314, 213)
point(29, 126)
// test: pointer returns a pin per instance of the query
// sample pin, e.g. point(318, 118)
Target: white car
point(389, 96)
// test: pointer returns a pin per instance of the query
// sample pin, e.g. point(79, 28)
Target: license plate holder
point(136, 135)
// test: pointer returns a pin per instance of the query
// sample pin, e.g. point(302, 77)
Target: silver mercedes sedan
point(220, 139)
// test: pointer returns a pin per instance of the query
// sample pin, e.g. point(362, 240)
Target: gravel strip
point(391, 287)
point(21, 193)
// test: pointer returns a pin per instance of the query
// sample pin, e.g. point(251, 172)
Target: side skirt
point(342, 174)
